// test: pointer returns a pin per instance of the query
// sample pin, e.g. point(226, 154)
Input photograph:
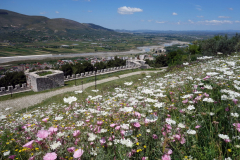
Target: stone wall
point(39, 83)
point(10, 89)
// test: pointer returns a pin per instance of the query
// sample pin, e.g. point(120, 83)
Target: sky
point(137, 14)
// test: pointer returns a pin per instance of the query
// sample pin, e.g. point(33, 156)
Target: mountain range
point(12, 23)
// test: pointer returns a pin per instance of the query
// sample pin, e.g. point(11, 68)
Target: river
point(143, 49)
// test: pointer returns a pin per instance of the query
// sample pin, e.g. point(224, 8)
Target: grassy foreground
point(71, 83)
point(192, 113)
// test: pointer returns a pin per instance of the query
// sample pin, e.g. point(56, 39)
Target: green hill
point(17, 27)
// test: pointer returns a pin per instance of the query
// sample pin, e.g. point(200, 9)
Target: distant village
point(59, 63)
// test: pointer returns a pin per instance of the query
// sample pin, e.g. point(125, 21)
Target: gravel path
point(27, 101)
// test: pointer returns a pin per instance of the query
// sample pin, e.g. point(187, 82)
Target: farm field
point(190, 112)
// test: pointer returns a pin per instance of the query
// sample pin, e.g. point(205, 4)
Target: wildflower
point(76, 92)
point(128, 83)
point(170, 121)
point(191, 131)
point(228, 158)
point(50, 156)
point(58, 118)
point(76, 133)
point(52, 130)
point(166, 157)
point(71, 149)
point(42, 134)
point(235, 115)
point(6, 153)
point(180, 125)
point(55, 145)
point(45, 119)
point(69, 100)
point(223, 136)
point(29, 144)
point(210, 100)
point(155, 136)
point(78, 153)
point(12, 156)
point(197, 126)
point(91, 137)
point(190, 107)
point(237, 125)
point(136, 124)
point(60, 134)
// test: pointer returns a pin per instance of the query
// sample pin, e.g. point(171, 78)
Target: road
point(27, 101)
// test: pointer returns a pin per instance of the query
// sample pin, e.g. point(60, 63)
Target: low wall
point(26, 87)
point(98, 72)
point(17, 88)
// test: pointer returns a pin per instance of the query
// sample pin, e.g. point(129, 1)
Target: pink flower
point(235, 101)
point(52, 130)
point(136, 124)
point(78, 153)
point(117, 128)
point(12, 156)
point(42, 134)
point(76, 133)
point(166, 157)
point(103, 140)
point(29, 144)
point(45, 119)
point(137, 114)
point(183, 140)
point(197, 126)
point(155, 136)
point(227, 140)
point(50, 156)
point(32, 158)
point(112, 125)
point(71, 149)
point(227, 109)
point(185, 101)
point(144, 158)
point(237, 125)
point(99, 123)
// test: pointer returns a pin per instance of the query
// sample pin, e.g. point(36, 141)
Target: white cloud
point(215, 22)
point(200, 16)
point(190, 21)
point(43, 12)
point(198, 7)
point(230, 9)
point(178, 23)
point(89, 11)
point(150, 20)
point(174, 13)
point(57, 12)
point(237, 21)
point(128, 10)
point(160, 22)
point(223, 17)
point(142, 20)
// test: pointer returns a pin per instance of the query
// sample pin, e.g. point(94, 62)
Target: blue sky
point(137, 14)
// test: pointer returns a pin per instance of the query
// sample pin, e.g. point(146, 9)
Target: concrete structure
point(139, 63)
point(39, 83)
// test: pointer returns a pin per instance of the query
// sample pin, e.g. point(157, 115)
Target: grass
point(69, 84)
point(188, 113)
point(44, 73)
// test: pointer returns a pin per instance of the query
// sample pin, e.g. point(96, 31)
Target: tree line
point(86, 66)
point(12, 79)
point(208, 47)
